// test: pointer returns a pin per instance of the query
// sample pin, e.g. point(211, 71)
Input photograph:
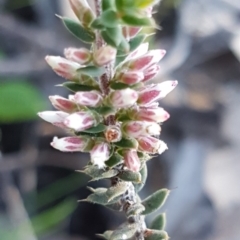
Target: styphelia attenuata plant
point(113, 111)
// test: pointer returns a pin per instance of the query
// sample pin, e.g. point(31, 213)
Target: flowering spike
point(72, 144)
point(156, 114)
point(131, 160)
point(155, 92)
point(100, 153)
point(151, 145)
point(90, 99)
point(80, 121)
point(63, 67)
point(79, 55)
point(55, 117)
point(63, 104)
point(123, 98)
point(140, 128)
point(104, 55)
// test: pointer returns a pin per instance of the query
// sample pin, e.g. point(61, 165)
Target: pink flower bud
point(131, 77)
point(141, 50)
point(63, 67)
point(151, 72)
point(55, 117)
point(131, 160)
point(90, 99)
point(79, 55)
point(113, 133)
point(130, 32)
point(155, 92)
point(140, 128)
point(100, 153)
point(151, 57)
point(80, 121)
point(104, 55)
point(63, 104)
point(83, 11)
point(149, 114)
point(123, 98)
point(72, 144)
point(151, 145)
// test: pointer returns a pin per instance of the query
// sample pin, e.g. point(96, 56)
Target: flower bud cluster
point(131, 102)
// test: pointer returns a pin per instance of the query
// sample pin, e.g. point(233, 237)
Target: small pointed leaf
point(109, 18)
point(159, 223)
point(97, 129)
point(114, 160)
point(106, 235)
point(135, 209)
point(137, 21)
point(127, 143)
point(155, 201)
point(96, 173)
point(78, 31)
point(130, 176)
point(108, 4)
point(151, 234)
point(92, 71)
point(144, 173)
point(118, 85)
point(125, 231)
point(117, 190)
point(136, 41)
point(75, 87)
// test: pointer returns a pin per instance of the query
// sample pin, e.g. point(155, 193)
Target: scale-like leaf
point(106, 235)
point(78, 30)
point(114, 160)
point(159, 223)
point(144, 173)
point(124, 231)
point(155, 201)
point(116, 190)
point(151, 234)
point(135, 209)
point(130, 176)
point(92, 71)
point(97, 129)
point(75, 87)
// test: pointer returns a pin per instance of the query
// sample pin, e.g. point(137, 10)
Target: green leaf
point(114, 160)
point(105, 235)
point(145, 3)
point(75, 87)
point(111, 39)
point(19, 101)
point(135, 209)
point(144, 173)
point(136, 41)
point(109, 18)
point(104, 110)
point(124, 47)
point(117, 190)
point(78, 31)
point(115, 34)
point(124, 4)
point(97, 24)
point(130, 176)
point(151, 234)
point(155, 201)
point(86, 80)
point(127, 143)
point(159, 223)
point(139, 22)
point(97, 129)
point(92, 71)
point(108, 4)
point(118, 85)
point(97, 174)
point(124, 231)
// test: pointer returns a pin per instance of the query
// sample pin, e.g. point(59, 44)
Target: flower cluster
point(113, 112)
point(134, 106)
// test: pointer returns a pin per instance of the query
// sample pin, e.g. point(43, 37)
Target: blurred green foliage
point(19, 101)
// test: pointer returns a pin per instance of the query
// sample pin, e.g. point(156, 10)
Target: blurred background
point(39, 187)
